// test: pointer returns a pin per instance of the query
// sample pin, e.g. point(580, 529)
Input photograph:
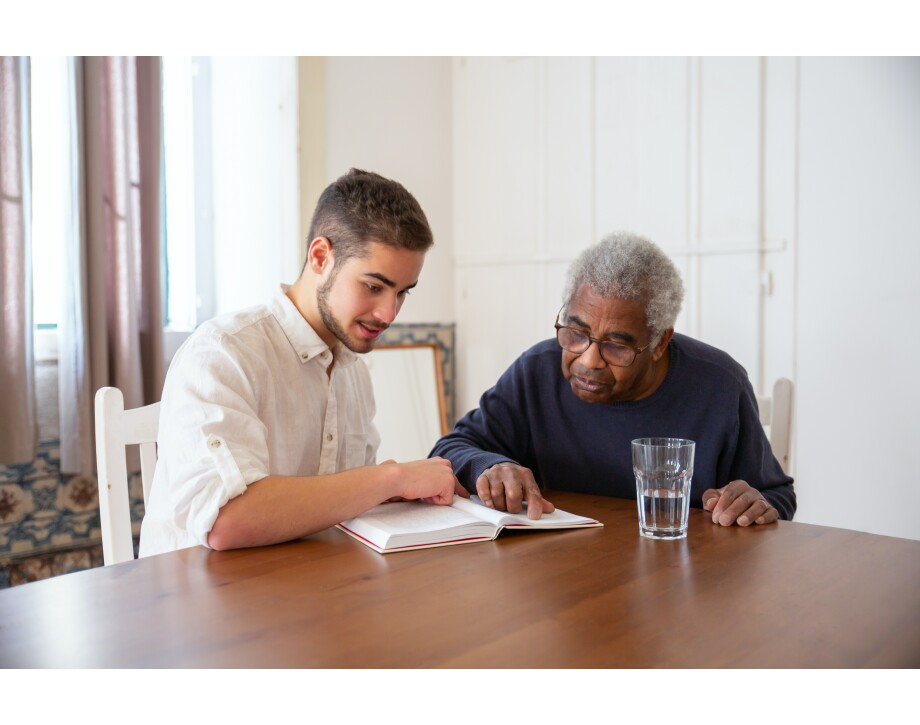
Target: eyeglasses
point(575, 341)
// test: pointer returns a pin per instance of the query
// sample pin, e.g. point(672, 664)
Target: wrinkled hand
point(432, 480)
point(738, 503)
point(505, 486)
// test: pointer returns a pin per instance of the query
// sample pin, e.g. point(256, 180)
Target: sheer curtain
point(112, 333)
point(18, 420)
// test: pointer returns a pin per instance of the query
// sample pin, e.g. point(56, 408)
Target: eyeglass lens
point(613, 352)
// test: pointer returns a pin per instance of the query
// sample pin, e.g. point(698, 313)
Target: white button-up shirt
point(249, 395)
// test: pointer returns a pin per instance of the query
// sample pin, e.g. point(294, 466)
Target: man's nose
point(387, 310)
point(591, 358)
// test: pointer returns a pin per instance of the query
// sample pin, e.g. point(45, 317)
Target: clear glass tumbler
point(664, 469)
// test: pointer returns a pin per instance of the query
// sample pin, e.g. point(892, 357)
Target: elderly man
point(564, 414)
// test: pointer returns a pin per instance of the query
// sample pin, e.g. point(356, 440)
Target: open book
point(405, 525)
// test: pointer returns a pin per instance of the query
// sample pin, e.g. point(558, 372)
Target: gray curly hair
point(631, 267)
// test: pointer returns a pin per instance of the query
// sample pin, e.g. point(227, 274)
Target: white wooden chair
point(115, 429)
point(776, 418)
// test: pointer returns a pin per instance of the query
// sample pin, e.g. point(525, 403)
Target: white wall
point(858, 259)
point(255, 188)
point(393, 116)
point(553, 153)
point(783, 189)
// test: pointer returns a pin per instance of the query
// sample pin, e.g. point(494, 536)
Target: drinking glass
point(664, 469)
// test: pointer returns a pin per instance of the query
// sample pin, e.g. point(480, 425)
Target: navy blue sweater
point(532, 417)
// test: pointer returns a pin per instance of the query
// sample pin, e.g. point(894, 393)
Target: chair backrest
point(776, 418)
point(115, 429)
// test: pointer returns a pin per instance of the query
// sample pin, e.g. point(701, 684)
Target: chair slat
point(116, 428)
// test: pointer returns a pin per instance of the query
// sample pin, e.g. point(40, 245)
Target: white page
point(407, 517)
point(475, 507)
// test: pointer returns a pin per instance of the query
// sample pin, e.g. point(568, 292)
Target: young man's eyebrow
point(386, 281)
point(614, 335)
point(376, 275)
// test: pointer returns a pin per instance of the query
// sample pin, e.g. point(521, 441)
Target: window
point(234, 180)
point(53, 202)
point(188, 292)
point(54, 199)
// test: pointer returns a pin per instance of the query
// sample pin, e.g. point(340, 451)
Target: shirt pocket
point(356, 450)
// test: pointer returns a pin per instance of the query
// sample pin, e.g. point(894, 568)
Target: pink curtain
point(114, 334)
point(18, 422)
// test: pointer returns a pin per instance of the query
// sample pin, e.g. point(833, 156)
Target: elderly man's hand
point(738, 503)
point(505, 486)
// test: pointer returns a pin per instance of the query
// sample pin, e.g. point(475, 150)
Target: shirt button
point(304, 356)
point(215, 443)
point(329, 436)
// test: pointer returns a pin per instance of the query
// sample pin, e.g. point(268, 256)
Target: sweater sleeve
point(754, 461)
point(494, 432)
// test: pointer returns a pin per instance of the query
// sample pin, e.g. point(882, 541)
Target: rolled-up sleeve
point(212, 443)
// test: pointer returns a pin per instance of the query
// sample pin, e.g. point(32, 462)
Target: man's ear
point(663, 344)
point(320, 257)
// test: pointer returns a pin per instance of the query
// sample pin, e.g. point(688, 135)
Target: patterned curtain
point(18, 421)
point(113, 334)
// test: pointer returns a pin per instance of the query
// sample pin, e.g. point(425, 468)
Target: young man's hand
point(432, 480)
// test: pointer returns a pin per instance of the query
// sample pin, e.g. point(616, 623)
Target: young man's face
point(363, 296)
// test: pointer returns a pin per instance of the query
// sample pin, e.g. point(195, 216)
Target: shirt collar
point(303, 338)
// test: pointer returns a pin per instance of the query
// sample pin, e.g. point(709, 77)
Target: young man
point(266, 429)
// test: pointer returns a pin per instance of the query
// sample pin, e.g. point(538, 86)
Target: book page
point(557, 518)
point(408, 517)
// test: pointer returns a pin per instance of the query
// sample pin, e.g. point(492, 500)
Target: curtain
point(18, 420)
point(112, 333)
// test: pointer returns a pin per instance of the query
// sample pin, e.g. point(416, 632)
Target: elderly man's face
point(594, 380)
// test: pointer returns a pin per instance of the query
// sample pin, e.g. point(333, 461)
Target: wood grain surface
point(784, 595)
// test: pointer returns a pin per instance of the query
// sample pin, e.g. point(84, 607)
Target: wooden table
point(786, 595)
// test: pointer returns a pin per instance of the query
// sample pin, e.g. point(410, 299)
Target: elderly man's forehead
point(586, 300)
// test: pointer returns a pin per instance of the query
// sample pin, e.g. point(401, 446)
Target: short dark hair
point(362, 207)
